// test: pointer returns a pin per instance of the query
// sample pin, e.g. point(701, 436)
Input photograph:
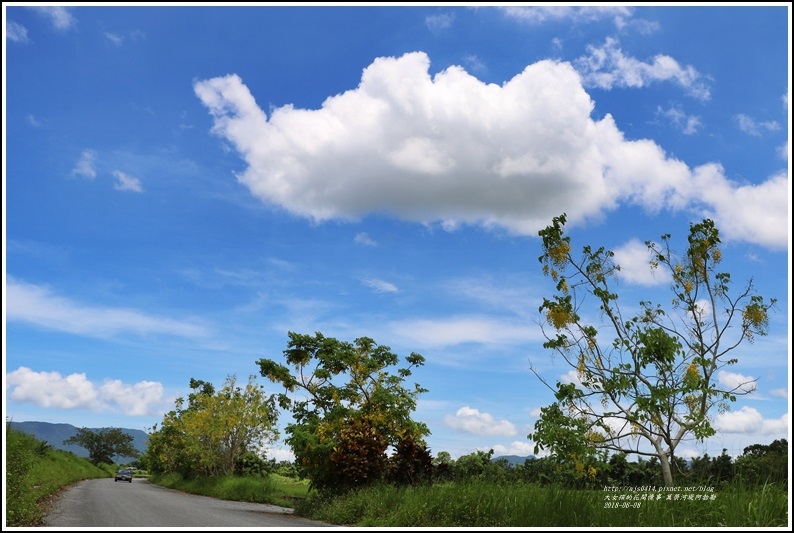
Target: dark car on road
point(124, 475)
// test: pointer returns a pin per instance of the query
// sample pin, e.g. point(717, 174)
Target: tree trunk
point(667, 474)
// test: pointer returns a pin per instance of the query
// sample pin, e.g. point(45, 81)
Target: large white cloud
point(454, 150)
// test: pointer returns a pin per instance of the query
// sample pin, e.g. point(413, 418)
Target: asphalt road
point(105, 503)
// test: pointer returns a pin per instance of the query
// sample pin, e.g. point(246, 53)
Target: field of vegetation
point(475, 492)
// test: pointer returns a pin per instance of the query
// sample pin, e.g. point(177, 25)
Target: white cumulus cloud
point(472, 421)
point(733, 381)
point(522, 448)
point(749, 421)
point(451, 149)
point(76, 391)
point(634, 258)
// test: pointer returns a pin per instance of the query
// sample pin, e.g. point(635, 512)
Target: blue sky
point(183, 186)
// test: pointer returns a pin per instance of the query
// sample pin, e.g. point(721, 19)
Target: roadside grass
point(487, 504)
point(35, 471)
point(272, 489)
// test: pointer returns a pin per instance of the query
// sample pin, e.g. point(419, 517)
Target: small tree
point(350, 409)
point(214, 432)
point(655, 380)
point(104, 444)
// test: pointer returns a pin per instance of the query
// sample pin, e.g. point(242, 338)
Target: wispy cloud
point(440, 21)
point(576, 14)
point(125, 182)
point(33, 120)
point(469, 420)
point(688, 124)
point(60, 17)
point(753, 127)
point(85, 165)
point(474, 63)
point(365, 239)
point(457, 330)
point(779, 393)
point(607, 66)
point(784, 151)
point(38, 306)
point(117, 39)
point(380, 286)
point(114, 39)
point(16, 32)
point(75, 391)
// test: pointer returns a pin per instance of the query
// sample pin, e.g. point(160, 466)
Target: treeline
point(758, 464)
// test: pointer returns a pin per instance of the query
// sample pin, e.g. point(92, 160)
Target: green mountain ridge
point(513, 460)
point(55, 434)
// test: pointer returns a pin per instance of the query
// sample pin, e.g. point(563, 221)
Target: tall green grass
point(35, 472)
point(486, 504)
point(273, 489)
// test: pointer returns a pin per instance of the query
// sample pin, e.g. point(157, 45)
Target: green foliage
point(411, 463)
point(476, 465)
point(104, 444)
point(353, 408)
point(215, 433)
point(764, 463)
point(43, 448)
point(286, 469)
point(359, 457)
point(655, 378)
point(251, 464)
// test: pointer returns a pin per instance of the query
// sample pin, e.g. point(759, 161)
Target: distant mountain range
point(513, 460)
point(55, 434)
